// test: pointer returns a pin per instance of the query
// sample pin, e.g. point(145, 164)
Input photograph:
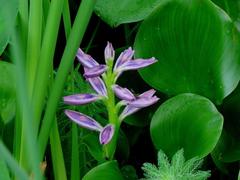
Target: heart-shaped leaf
point(115, 12)
point(107, 170)
point(186, 121)
point(197, 47)
point(7, 91)
point(8, 13)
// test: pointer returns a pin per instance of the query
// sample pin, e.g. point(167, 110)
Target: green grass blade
point(12, 164)
point(75, 37)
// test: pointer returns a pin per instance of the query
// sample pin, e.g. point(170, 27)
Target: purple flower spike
point(144, 102)
point(106, 134)
point(124, 57)
point(123, 93)
point(83, 120)
point(98, 85)
point(85, 59)
point(109, 52)
point(95, 71)
point(136, 64)
point(79, 99)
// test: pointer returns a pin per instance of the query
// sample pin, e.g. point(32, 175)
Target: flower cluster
point(102, 78)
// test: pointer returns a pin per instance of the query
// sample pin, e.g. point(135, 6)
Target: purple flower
point(125, 56)
point(83, 120)
point(106, 134)
point(80, 99)
point(95, 71)
point(143, 100)
point(85, 59)
point(109, 52)
point(123, 93)
point(98, 85)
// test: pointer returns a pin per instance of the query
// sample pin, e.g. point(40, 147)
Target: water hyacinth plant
point(103, 79)
point(65, 114)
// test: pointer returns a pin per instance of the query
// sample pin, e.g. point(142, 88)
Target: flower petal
point(83, 120)
point(123, 93)
point(144, 102)
point(128, 110)
point(109, 52)
point(148, 93)
point(95, 71)
point(85, 59)
point(125, 56)
point(106, 134)
point(135, 64)
point(79, 99)
point(98, 85)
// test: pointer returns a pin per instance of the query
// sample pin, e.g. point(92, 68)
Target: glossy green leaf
point(228, 148)
point(7, 91)
point(108, 170)
point(8, 13)
point(197, 47)
point(115, 12)
point(4, 174)
point(186, 121)
point(232, 8)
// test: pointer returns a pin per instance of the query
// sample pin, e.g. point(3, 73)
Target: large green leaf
point(115, 12)
point(232, 7)
point(8, 13)
point(186, 121)
point(197, 47)
point(7, 91)
point(108, 170)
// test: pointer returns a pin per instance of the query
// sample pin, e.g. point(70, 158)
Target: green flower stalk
point(103, 80)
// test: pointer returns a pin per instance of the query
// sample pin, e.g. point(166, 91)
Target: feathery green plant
point(177, 169)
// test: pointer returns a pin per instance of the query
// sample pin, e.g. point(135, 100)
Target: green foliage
point(4, 174)
point(107, 170)
point(127, 10)
point(7, 91)
point(186, 121)
point(8, 14)
point(177, 169)
point(197, 47)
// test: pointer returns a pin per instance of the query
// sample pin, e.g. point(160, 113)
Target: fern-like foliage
point(177, 169)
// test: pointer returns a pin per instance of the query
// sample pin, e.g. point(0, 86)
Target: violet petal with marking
point(124, 57)
point(95, 71)
point(106, 134)
point(83, 120)
point(147, 94)
point(98, 85)
point(128, 110)
point(144, 102)
point(123, 93)
point(79, 99)
point(136, 64)
point(85, 59)
point(109, 52)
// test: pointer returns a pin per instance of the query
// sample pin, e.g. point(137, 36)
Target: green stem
point(44, 71)
point(75, 169)
point(34, 41)
point(23, 17)
point(28, 134)
point(109, 79)
point(66, 18)
point(57, 154)
point(75, 37)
